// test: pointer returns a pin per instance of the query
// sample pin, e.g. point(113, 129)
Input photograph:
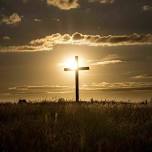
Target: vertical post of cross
point(77, 79)
point(76, 69)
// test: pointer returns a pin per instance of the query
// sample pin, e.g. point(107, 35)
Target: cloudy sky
point(113, 37)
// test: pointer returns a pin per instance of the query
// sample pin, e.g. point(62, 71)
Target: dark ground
point(72, 127)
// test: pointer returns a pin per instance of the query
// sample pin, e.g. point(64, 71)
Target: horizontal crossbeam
point(72, 69)
point(83, 68)
point(69, 69)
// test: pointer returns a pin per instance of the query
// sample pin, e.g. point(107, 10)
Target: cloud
point(147, 8)
point(37, 20)
point(102, 1)
point(61, 89)
point(43, 89)
point(25, 1)
point(11, 20)
point(64, 4)
point(106, 62)
point(93, 40)
point(47, 43)
point(144, 76)
point(117, 86)
point(109, 59)
point(6, 38)
point(70, 4)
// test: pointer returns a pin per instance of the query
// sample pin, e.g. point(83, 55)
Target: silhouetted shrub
point(61, 100)
point(22, 101)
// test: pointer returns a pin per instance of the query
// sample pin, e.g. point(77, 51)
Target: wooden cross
point(76, 69)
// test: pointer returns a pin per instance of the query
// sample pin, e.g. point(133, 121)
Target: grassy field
point(72, 127)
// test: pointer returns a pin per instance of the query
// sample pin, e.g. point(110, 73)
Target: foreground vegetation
point(72, 127)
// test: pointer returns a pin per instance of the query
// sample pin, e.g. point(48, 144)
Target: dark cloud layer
point(38, 18)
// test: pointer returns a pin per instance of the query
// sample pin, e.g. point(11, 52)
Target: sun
point(70, 63)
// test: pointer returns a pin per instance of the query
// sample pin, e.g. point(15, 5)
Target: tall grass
point(72, 127)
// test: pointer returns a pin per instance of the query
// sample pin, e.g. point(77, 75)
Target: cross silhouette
point(76, 69)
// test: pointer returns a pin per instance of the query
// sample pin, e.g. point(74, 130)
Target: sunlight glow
point(70, 63)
